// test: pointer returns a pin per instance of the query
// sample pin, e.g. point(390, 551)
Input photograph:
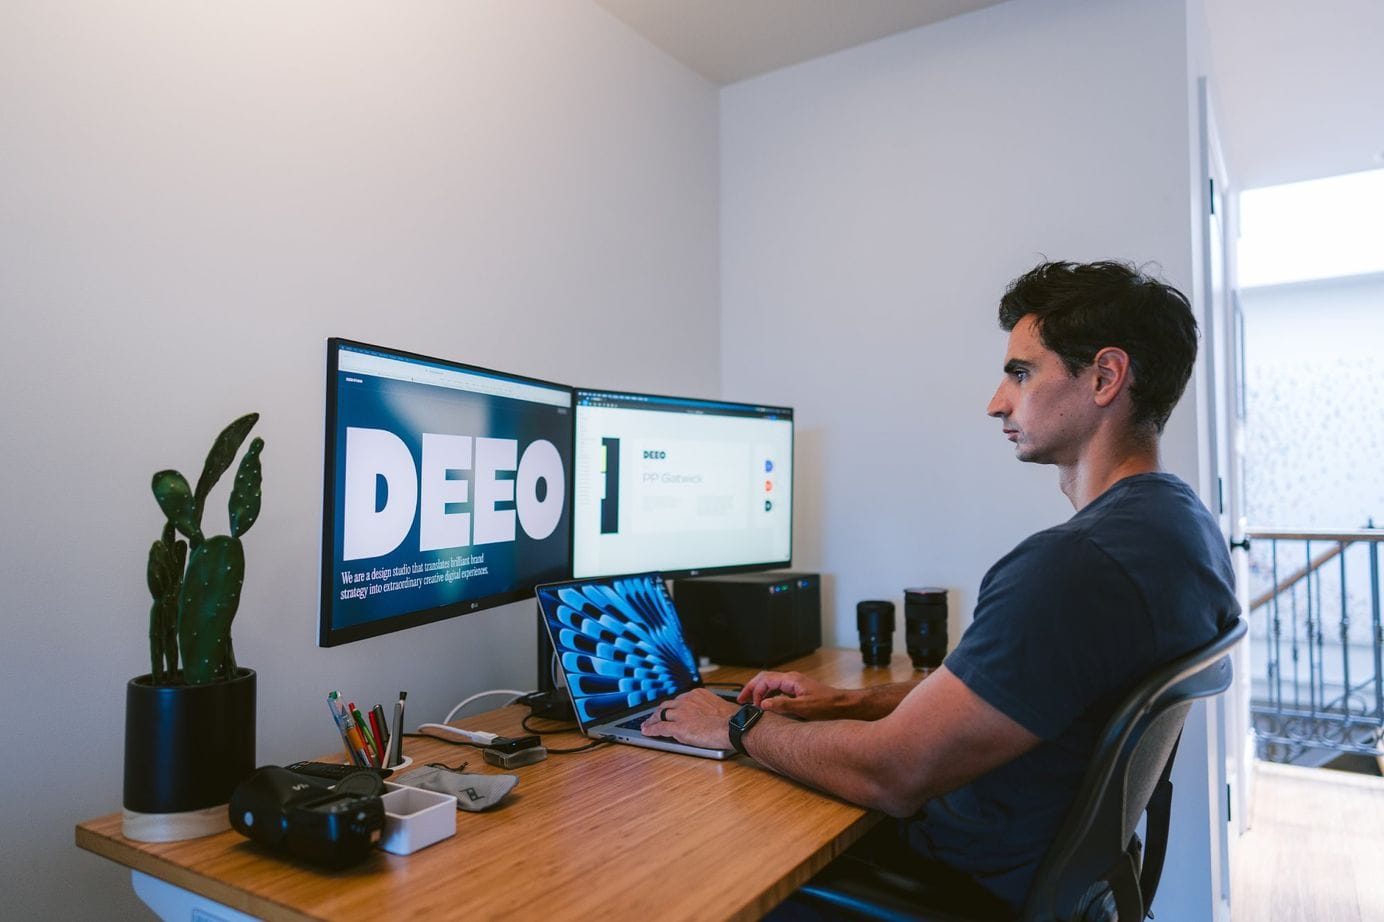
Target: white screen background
point(693, 490)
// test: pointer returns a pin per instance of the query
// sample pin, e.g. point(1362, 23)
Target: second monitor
point(681, 485)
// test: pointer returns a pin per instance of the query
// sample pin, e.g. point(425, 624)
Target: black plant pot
point(186, 748)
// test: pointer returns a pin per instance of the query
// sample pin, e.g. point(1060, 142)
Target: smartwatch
point(740, 723)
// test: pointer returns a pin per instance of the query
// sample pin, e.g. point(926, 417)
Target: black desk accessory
point(306, 817)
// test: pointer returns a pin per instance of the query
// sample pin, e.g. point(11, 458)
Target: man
point(981, 759)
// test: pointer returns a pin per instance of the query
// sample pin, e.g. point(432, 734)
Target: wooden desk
point(617, 832)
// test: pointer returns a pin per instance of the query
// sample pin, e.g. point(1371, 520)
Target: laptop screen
point(619, 642)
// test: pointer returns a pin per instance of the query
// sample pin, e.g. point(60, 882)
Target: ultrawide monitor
point(446, 489)
point(680, 485)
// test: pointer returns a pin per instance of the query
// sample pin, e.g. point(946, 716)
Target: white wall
point(192, 198)
point(874, 205)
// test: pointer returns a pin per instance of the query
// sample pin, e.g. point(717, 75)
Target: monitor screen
point(446, 490)
point(680, 485)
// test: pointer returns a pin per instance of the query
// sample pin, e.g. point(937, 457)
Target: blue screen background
point(409, 409)
point(619, 641)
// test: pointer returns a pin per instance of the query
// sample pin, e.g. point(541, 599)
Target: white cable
point(447, 732)
point(478, 695)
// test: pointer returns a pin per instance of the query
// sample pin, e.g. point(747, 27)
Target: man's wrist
point(740, 724)
point(850, 702)
point(873, 702)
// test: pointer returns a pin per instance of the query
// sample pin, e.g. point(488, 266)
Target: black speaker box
point(751, 619)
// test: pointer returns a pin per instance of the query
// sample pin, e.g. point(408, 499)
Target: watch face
point(746, 716)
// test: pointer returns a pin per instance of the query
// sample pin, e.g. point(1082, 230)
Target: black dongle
point(515, 744)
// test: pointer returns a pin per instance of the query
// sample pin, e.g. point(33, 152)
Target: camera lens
point(925, 626)
point(875, 621)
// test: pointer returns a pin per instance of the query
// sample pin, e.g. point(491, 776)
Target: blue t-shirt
point(1065, 624)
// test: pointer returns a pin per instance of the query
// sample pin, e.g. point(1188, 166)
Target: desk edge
point(136, 859)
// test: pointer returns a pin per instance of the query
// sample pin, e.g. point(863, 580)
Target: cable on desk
point(551, 752)
point(568, 727)
point(564, 729)
point(449, 742)
point(479, 695)
point(587, 748)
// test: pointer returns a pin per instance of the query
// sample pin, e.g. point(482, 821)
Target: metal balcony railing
point(1316, 643)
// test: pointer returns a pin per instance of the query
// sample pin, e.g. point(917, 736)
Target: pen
point(396, 742)
point(381, 729)
point(354, 744)
point(337, 720)
point(357, 738)
point(371, 759)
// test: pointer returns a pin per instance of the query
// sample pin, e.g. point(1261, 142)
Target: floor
point(1315, 849)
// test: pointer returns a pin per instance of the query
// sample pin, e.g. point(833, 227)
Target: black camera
point(333, 825)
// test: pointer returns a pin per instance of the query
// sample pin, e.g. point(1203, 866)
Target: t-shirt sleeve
point(1057, 630)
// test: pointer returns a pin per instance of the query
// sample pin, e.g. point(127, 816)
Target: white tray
point(414, 818)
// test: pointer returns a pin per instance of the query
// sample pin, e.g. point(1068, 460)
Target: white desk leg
point(174, 904)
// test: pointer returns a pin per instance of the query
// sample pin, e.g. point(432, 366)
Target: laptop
point(620, 646)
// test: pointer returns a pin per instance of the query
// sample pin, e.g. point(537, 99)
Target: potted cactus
point(190, 722)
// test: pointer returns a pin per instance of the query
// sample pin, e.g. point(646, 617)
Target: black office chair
point(1093, 872)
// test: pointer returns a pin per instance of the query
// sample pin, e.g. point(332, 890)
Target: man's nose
point(998, 405)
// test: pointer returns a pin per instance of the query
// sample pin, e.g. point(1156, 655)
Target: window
point(1323, 228)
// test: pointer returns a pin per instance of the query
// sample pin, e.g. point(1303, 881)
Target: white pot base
point(174, 827)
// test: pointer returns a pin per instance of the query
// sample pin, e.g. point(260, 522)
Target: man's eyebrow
point(1014, 365)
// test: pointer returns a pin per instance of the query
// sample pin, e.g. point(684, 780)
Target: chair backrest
point(1134, 752)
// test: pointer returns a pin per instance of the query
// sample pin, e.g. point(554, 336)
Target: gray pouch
point(473, 792)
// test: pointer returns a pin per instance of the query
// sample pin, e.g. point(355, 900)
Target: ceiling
point(730, 40)
point(1298, 87)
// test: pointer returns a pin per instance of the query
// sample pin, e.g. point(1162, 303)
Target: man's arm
point(796, 695)
point(940, 736)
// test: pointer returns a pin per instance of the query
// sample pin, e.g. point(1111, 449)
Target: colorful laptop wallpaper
point(619, 642)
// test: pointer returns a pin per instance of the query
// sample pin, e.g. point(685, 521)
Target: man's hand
point(795, 695)
point(698, 718)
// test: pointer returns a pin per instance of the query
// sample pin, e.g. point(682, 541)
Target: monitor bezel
point(754, 409)
point(331, 636)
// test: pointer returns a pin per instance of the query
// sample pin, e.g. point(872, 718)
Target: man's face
point(1046, 412)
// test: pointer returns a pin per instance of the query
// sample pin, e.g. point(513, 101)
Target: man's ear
point(1113, 374)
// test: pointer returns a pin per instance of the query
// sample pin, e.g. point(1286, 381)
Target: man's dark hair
point(1081, 308)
